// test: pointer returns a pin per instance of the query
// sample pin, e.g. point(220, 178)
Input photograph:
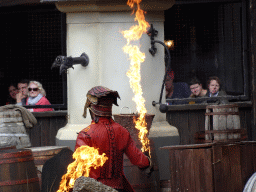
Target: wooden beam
point(5, 3)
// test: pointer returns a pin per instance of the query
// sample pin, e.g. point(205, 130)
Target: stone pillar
point(96, 30)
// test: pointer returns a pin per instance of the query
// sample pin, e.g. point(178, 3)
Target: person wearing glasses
point(22, 95)
point(36, 96)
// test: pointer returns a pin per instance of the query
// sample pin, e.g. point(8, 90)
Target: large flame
point(137, 57)
point(85, 158)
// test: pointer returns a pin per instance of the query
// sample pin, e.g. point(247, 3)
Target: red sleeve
point(135, 155)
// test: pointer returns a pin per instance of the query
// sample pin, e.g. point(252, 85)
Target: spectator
point(13, 91)
point(214, 90)
point(169, 84)
point(21, 97)
point(175, 90)
point(36, 96)
point(196, 89)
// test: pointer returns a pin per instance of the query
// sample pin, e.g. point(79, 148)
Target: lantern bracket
point(153, 33)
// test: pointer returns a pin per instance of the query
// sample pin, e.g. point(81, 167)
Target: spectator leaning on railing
point(22, 95)
point(214, 90)
point(197, 90)
point(37, 96)
point(13, 91)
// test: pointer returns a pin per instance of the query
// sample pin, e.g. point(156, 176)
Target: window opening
point(31, 38)
point(215, 46)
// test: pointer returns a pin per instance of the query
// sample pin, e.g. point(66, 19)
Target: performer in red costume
point(110, 138)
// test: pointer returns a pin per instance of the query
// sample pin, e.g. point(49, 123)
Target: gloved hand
point(146, 153)
point(148, 170)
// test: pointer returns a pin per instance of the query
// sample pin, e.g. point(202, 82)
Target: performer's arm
point(135, 155)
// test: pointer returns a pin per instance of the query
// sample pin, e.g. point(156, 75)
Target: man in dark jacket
point(110, 138)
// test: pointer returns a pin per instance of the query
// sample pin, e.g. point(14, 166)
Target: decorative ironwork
point(65, 62)
point(153, 33)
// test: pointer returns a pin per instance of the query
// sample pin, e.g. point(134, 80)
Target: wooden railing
point(190, 119)
point(48, 124)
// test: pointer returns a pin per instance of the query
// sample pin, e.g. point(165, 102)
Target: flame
point(85, 158)
point(169, 44)
point(137, 57)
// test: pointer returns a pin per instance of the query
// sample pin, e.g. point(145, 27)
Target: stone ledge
point(108, 5)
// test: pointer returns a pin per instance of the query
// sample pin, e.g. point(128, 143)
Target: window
point(210, 40)
point(31, 38)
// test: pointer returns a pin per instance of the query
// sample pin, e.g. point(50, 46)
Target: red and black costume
point(113, 140)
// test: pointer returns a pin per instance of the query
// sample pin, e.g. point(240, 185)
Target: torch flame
point(137, 57)
point(85, 158)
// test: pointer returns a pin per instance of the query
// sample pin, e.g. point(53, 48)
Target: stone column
point(96, 30)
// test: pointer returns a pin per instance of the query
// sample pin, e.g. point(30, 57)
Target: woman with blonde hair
point(37, 96)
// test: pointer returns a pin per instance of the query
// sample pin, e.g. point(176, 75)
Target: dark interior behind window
point(209, 40)
point(31, 37)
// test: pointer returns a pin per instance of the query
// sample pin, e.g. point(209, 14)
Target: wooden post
point(207, 125)
point(222, 123)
